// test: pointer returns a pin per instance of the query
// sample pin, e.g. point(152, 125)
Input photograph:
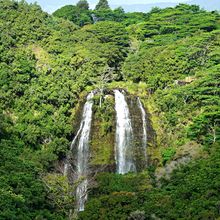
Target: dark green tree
point(73, 13)
point(103, 4)
point(83, 5)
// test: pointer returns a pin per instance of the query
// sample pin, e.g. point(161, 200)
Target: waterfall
point(127, 137)
point(81, 141)
point(144, 139)
point(94, 18)
point(124, 136)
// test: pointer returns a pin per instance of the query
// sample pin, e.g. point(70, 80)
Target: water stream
point(124, 136)
point(144, 139)
point(82, 138)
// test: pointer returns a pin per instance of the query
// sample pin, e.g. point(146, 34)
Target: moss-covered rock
point(102, 137)
point(103, 132)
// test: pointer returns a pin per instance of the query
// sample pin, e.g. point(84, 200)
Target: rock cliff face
point(103, 132)
point(140, 154)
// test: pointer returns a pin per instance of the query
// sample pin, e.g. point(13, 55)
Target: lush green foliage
point(191, 193)
point(181, 70)
point(76, 14)
point(169, 57)
point(82, 17)
point(41, 78)
point(83, 5)
point(102, 4)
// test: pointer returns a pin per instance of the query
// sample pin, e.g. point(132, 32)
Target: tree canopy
point(83, 5)
point(168, 57)
point(102, 4)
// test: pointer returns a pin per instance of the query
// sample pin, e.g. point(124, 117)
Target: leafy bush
point(168, 154)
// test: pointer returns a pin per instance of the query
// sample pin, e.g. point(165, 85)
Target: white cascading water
point(67, 164)
point(144, 139)
point(124, 136)
point(83, 153)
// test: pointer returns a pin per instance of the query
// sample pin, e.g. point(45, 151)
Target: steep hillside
point(42, 77)
point(169, 58)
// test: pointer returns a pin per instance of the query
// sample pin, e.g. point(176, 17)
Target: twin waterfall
point(124, 142)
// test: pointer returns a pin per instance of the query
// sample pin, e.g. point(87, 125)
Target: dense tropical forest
point(170, 58)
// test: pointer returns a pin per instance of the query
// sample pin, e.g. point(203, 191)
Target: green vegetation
point(83, 5)
point(103, 138)
point(77, 14)
point(167, 154)
point(169, 57)
point(103, 4)
point(191, 193)
point(80, 15)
